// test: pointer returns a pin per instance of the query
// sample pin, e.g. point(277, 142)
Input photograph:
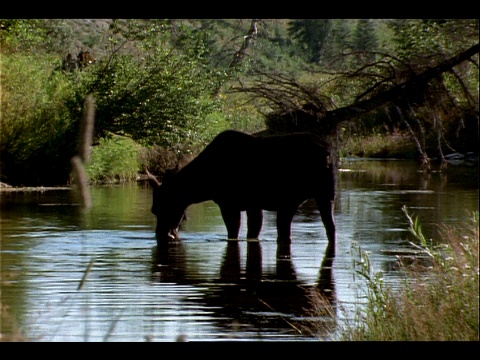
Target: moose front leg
point(254, 223)
point(232, 220)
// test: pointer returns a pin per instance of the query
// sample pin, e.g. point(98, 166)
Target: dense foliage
point(143, 87)
point(155, 94)
point(38, 134)
point(167, 82)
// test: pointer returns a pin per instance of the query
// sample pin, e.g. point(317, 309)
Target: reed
point(439, 303)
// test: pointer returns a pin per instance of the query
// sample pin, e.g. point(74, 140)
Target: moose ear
point(154, 183)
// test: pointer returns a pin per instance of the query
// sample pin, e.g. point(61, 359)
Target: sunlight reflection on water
point(203, 287)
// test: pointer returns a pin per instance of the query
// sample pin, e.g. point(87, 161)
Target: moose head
point(169, 211)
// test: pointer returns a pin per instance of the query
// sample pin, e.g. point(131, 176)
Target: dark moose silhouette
point(240, 172)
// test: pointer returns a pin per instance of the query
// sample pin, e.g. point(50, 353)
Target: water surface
point(205, 287)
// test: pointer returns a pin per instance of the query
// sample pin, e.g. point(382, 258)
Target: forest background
point(164, 88)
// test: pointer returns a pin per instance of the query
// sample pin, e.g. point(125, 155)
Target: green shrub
point(115, 159)
point(38, 135)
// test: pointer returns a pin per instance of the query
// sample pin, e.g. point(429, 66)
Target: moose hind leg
point(284, 229)
point(232, 220)
point(254, 223)
point(326, 208)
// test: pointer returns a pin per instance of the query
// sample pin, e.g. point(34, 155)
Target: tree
point(21, 34)
point(311, 35)
point(247, 41)
point(364, 42)
point(338, 45)
point(420, 38)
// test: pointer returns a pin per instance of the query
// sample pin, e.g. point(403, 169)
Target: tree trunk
point(247, 41)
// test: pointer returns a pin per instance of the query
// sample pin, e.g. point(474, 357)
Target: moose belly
point(271, 199)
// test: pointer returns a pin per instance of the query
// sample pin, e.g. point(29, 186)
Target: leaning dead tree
point(247, 42)
point(292, 106)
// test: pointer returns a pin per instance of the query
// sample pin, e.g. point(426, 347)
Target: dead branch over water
point(300, 107)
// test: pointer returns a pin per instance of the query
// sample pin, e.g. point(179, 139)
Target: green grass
point(439, 303)
point(380, 146)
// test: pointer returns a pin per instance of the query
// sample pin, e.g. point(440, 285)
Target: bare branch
point(247, 41)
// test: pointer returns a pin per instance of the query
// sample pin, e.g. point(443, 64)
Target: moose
point(242, 172)
point(70, 64)
point(84, 58)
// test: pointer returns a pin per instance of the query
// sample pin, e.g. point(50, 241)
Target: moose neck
point(191, 189)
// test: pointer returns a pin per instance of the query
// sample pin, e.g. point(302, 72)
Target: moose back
point(240, 172)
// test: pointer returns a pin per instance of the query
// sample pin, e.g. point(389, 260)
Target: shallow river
point(68, 276)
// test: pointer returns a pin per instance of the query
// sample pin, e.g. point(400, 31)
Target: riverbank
point(454, 160)
point(8, 188)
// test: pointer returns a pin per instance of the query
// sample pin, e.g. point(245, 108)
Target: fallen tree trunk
point(402, 91)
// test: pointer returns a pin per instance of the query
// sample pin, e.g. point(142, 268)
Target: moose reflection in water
point(254, 297)
point(240, 172)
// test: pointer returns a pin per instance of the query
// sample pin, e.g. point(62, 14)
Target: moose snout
point(166, 235)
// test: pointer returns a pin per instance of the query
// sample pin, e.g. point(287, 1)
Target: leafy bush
point(164, 97)
point(114, 159)
point(161, 97)
point(38, 134)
